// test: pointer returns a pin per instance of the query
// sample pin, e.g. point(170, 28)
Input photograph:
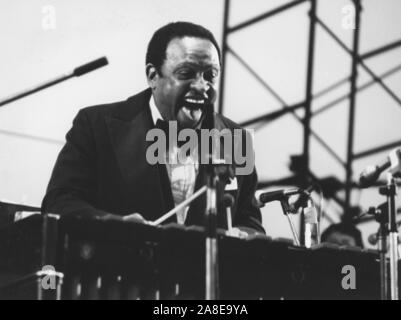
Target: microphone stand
point(77, 72)
point(311, 225)
point(216, 170)
point(308, 211)
point(390, 191)
point(381, 217)
point(382, 247)
point(228, 203)
point(287, 210)
point(211, 248)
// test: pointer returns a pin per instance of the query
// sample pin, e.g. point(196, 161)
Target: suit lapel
point(144, 182)
point(148, 189)
point(196, 211)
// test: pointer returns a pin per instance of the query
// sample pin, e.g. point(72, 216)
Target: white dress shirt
point(182, 174)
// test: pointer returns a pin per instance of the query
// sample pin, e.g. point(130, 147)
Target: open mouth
point(193, 108)
point(192, 103)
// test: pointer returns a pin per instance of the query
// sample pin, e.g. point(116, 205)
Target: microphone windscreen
point(228, 200)
point(88, 67)
point(372, 239)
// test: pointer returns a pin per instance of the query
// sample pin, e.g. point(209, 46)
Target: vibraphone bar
point(94, 259)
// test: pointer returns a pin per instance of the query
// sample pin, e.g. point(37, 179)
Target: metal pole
point(266, 15)
point(224, 54)
point(309, 81)
point(354, 76)
point(308, 103)
point(377, 149)
point(393, 236)
point(382, 248)
point(381, 50)
point(211, 245)
point(212, 269)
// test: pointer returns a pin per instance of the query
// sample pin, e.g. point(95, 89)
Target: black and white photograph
point(214, 152)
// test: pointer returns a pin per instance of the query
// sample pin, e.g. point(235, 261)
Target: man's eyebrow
point(197, 65)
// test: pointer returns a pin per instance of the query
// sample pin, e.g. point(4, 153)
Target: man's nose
point(200, 84)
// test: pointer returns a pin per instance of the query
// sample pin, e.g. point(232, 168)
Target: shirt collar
point(156, 115)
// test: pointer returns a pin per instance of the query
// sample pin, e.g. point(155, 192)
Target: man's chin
point(187, 125)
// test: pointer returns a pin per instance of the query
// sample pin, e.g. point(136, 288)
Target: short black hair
point(345, 228)
point(156, 53)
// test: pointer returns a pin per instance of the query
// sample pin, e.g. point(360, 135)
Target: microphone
point(228, 200)
point(90, 66)
point(278, 195)
point(302, 200)
point(373, 238)
point(372, 173)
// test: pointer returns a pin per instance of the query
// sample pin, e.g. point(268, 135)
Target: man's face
point(187, 80)
point(341, 239)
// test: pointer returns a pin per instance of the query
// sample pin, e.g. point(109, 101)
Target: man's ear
point(151, 75)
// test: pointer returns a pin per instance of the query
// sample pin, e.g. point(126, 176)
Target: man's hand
point(237, 233)
point(135, 217)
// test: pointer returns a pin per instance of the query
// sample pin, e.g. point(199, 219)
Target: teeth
point(195, 100)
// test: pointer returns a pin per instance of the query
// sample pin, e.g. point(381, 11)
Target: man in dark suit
point(103, 172)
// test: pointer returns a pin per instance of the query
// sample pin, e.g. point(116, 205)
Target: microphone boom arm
point(79, 71)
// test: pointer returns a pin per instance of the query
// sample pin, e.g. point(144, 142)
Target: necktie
point(164, 126)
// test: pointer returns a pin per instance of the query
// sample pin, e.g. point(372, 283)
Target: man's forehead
point(192, 49)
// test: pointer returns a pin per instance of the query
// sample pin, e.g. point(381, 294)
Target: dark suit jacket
point(102, 169)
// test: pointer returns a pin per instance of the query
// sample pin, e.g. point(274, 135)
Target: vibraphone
point(94, 259)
